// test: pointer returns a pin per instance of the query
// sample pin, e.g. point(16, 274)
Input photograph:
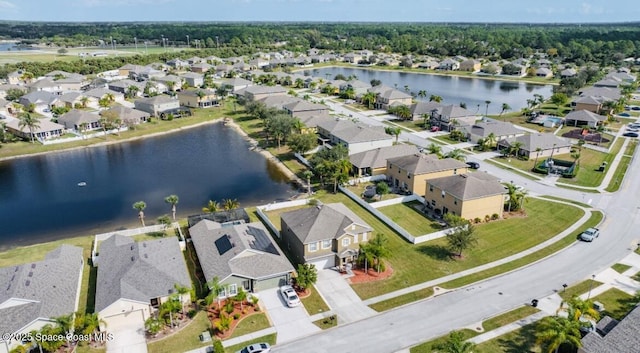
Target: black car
point(473, 165)
point(630, 134)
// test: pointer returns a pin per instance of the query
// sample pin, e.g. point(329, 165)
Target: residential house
point(16, 77)
point(123, 86)
point(193, 79)
point(45, 131)
point(198, 98)
point(80, 120)
point(325, 235)
point(142, 73)
point(429, 65)
point(4, 88)
point(567, 73)
point(449, 64)
point(356, 137)
point(420, 109)
point(46, 85)
point(126, 69)
point(302, 108)
point(97, 94)
point(278, 101)
point(470, 196)
point(41, 100)
point(538, 145)
point(235, 84)
point(201, 67)
point(622, 76)
point(593, 99)
point(544, 72)
point(584, 117)
point(5, 108)
point(353, 58)
point(178, 63)
point(128, 116)
point(258, 63)
point(253, 93)
point(449, 116)
point(172, 82)
point(613, 336)
point(72, 99)
point(374, 162)
point(611, 82)
point(195, 60)
point(158, 105)
point(71, 82)
point(312, 120)
point(241, 256)
point(408, 173)
point(358, 87)
point(34, 294)
point(471, 65)
point(135, 278)
point(498, 129)
point(387, 97)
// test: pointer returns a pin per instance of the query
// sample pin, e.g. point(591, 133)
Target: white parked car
point(256, 348)
point(289, 295)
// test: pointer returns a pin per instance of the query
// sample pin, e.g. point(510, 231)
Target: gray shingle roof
point(420, 108)
point(377, 158)
point(544, 141)
point(624, 337)
point(77, 117)
point(419, 163)
point(324, 222)
point(159, 99)
point(51, 285)
point(126, 113)
point(138, 271)
point(469, 186)
point(351, 132)
point(498, 128)
point(585, 115)
point(244, 250)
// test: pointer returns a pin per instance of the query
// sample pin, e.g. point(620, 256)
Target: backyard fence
point(276, 206)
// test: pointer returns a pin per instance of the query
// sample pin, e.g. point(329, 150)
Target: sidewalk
point(502, 261)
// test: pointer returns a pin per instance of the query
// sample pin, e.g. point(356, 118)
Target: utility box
point(598, 306)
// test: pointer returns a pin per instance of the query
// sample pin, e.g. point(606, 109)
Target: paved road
point(403, 327)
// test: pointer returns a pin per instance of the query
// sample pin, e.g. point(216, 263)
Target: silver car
point(289, 295)
point(256, 348)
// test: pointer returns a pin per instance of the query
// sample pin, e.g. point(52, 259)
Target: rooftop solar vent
point(223, 244)
point(133, 259)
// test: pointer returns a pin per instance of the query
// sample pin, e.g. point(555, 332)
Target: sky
point(488, 11)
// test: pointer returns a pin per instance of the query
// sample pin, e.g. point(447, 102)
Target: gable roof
point(45, 125)
point(77, 117)
point(420, 163)
point(420, 108)
point(469, 186)
point(138, 270)
point(48, 288)
point(351, 132)
point(377, 158)
point(624, 337)
point(159, 99)
point(544, 141)
point(584, 115)
point(323, 222)
point(498, 128)
point(244, 250)
point(454, 111)
point(126, 113)
point(39, 97)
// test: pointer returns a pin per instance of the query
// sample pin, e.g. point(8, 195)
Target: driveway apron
point(344, 302)
point(290, 323)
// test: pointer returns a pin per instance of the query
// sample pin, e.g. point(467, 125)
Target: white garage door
point(323, 263)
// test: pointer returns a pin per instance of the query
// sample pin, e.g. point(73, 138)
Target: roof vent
point(27, 283)
point(146, 256)
point(144, 245)
point(133, 259)
point(30, 274)
point(33, 265)
point(131, 247)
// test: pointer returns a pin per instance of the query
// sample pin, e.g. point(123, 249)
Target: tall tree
point(455, 343)
point(30, 122)
point(302, 143)
point(461, 235)
point(393, 130)
point(306, 276)
point(456, 154)
point(486, 111)
point(140, 206)
point(435, 149)
point(369, 99)
point(378, 248)
point(230, 204)
point(173, 201)
point(553, 331)
point(307, 174)
point(505, 107)
point(211, 207)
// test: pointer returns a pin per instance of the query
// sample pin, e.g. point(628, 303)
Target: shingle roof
point(126, 113)
point(584, 115)
point(51, 285)
point(420, 108)
point(303, 105)
point(45, 125)
point(77, 117)
point(244, 250)
point(544, 141)
point(324, 222)
point(607, 92)
point(351, 132)
point(624, 337)
point(419, 163)
point(469, 186)
point(454, 111)
point(498, 128)
point(159, 99)
point(39, 97)
point(138, 270)
point(377, 158)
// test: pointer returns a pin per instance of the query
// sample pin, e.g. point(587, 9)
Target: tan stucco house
point(198, 98)
point(324, 235)
point(538, 145)
point(374, 162)
point(470, 196)
point(409, 173)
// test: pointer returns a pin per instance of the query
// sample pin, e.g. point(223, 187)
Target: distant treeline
point(603, 44)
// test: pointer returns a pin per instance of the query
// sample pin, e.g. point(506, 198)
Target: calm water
point(453, 90)
point(6, 46)
point(40, 198)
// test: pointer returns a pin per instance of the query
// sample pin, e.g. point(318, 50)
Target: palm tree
point(538, 150)
point(491, 140)
point(83, 101)
point(435, 98)
point(403, 112)
point(425, 120)
point(140, 206)
point(65, 323)
point(455, 343)
point(29, 121)
point(307, 174)
point(214, 291)
point(369, 99)
point(392, 130)
point(505, 107)
point(378, 247)
point(515, 148)
point(173, 201)
point(553, 331)
point(422, 93)
point(211, 207)
point(110, 97)
point(435, 149)
point(457, 154)
point(132, 91)
point(230, 204)
point(486, 111)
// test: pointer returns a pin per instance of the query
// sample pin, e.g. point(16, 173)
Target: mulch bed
point(359, 276)
point(213, 313)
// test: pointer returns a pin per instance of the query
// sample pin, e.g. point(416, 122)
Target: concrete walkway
point(341, 298)
point(502, 261)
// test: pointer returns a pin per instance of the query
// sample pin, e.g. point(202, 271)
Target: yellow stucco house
point(470, 196)
point(409, 173)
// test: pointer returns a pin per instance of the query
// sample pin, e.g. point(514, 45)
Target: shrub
point(487, 218)
point(218, 347)
point(382, 188)
point(495, 216)
point(228, 306)
point(236, 316)
point(477, 220)
point(191, 313)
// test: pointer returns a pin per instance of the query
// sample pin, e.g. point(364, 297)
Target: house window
point(326, 244)
point(455, 171)
point(455, 202)
point(246, 285)
point(233, 289)
point(408, 175)
point(313, 247)
point(346, 242)
point(433, 202)
point(222, 293)
point(364, 236)
point(430, 188)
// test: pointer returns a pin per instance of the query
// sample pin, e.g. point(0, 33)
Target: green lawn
point(358, 189)
point(185, 339)
point(495, 241)
point(620, 268)
point(594, 220)
point(618, 175)
point(402, 300)
point(252, 323)
point(616, 303)
point(508, 317)
point(407, 217)
point(590, 160)
point(518, 341)
point(636, 276)
point(427, 347)
point(271, 339)
point(314, 304)
point(417, 125)
point(550, 197)
point(326, 323)
point(578, 289)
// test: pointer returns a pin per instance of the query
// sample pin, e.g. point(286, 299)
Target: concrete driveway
point(290, 323)
point(341, 298)
point(127, 337)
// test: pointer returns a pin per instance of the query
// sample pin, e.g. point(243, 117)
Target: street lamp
point(593, 277)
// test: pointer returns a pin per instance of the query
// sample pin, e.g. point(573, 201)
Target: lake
point(8, 46)
point(453, 89)
point(40, 198)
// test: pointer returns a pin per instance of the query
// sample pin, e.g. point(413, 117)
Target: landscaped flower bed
point(226, 315)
